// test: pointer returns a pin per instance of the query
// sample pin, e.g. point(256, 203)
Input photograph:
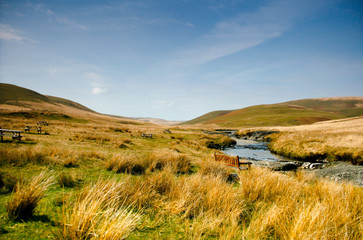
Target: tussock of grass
point(158, 160)
point(67, 180)
point(126, 163)
point(178, 163)
point(300, 208)
point(26, 197)
point(215, 169)
point(40, 155)
point(97, 214)
point(21, 156)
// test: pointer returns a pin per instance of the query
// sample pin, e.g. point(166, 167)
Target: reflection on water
point(252, 150)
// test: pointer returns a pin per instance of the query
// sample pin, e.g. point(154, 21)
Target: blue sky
point(180, 59)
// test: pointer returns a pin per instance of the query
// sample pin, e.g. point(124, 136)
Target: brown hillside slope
point(26, 102)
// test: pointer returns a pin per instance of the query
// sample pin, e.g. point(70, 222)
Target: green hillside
point(298, 112)
point(208, 116)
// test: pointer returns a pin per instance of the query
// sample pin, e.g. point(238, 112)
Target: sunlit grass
point(26, 197)
point(337, 140)
point(179, 192)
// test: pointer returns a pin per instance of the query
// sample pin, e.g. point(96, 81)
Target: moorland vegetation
point(100, 179)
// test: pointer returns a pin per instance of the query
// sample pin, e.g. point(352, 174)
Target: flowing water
point(252, 150)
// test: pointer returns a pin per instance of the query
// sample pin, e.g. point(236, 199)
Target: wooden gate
point(231, 161)
point(228, 160)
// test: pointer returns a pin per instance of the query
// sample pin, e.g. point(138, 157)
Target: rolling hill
point(13, 98)
point(17, 100)
point(290, 113)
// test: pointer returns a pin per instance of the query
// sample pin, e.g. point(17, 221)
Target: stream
point(252, 150)
point(258, 153)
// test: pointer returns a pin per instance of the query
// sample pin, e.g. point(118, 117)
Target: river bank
point(338, 140)
point(253, 146)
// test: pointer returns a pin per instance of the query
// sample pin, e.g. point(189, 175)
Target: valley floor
point(100, 179)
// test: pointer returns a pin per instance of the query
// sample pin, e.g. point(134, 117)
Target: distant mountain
point(158, 121)
point(297, 112)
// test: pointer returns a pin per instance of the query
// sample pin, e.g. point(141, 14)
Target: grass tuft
point(178, 163)
point(24, 200)
point(67, 180)
point(126, 163)
point(97, 214)
point(215, 169)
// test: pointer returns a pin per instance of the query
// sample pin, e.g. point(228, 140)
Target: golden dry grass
point(24, 200)
point(126, 163)
point(264, 205)
point(181, 192)
point(97, 214)
point(301, 207)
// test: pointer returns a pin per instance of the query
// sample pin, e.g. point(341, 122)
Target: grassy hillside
point(206, 117)
point(346, 106)
point(287, 114)
point(12, 94)
point(68, 103)
point(23, 97)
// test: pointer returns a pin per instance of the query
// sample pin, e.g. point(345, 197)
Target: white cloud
point(10, 34)
point(98, 85)
point(99, 90)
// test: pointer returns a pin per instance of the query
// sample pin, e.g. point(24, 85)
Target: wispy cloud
point(53, 71)
point(40, 8)
point(10, 34)
point(94, 76)
point(244, 31)
point(162, 103)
